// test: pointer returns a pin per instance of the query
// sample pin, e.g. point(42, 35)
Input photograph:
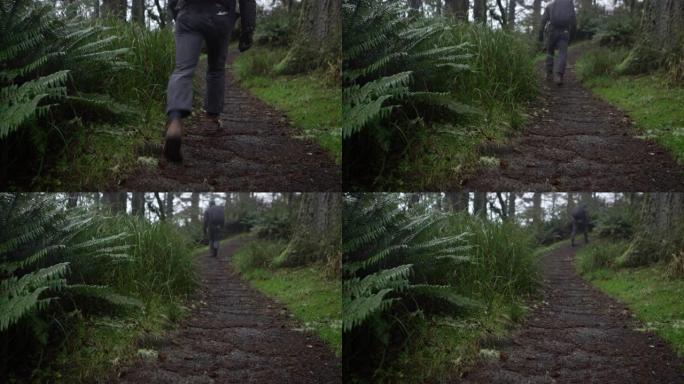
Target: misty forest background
point(427, 278)
point(88, 279)
point(83, 83)
point(426, 82)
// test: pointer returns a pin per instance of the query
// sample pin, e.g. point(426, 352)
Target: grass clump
point(600, 254)
point(308, 292)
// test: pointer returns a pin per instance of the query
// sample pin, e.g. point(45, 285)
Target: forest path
point(576, 334)
point(254, 151)
point(576, 142)
point(236, 335)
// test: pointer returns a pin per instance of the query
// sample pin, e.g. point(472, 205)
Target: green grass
point(656, 300)
point(312, 101)
point(100, 345)
point(314, 298)
point(441, 348)
point(655, 106)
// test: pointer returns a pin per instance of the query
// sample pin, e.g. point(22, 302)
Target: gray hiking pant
point(558, 39)
point(585, 228)
point(196, 23)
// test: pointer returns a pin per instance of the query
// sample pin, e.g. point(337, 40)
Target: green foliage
point(600, 254)
point(618, 30)
point(617, 222)
point(276, 28)
point(257, 254)
point(599, 62)
point(419, 94)
point(656, 301)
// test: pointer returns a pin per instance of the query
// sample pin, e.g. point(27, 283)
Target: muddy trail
point(576, 142)
point(254, 151)
point(235, 335)
point(576, 334)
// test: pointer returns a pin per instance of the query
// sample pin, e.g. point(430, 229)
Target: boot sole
point(172, 149)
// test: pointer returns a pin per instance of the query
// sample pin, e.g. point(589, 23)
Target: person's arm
point(247, 23)
point(545, 20)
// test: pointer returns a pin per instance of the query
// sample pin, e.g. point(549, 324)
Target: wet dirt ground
point(236, 335)
point(577, 142)
point(576, 334)
point(254, 151)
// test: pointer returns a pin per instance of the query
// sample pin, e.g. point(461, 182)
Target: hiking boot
point(211, 121)
point(172, 144)
point(558, 79)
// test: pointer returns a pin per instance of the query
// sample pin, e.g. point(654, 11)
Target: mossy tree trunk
point(480, 11)
point(318, 40)
point(318, 231)
point(458, 9)
point(662, 220)
point(662, 35)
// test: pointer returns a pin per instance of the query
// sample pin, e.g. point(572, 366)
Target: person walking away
point(214, 220)
point(562, 21)
point(211, 22)
point(580, 218)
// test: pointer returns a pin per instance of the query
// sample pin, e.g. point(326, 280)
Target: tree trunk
point(480, 204)
point(480, 11)
point(510, 19)
point(537, 212)
point(511, 205)
point(115, 9)
point(138, 204)
point(458, 9)
point(194, 208)
point(138, 11)
point(662, 219)
point(458, 201)
point(72, 199)
point(168, 205)
point(536, 17)
point(415, 4)
point(317, 234)
point(319, 37)
point(662, 30)
point(571, 203)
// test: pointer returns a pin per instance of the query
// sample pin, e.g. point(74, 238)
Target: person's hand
point(246, 40)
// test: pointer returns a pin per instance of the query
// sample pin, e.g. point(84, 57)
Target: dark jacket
point(214, 219)
point(247, 12)
point(547, 17)
point(580, 214)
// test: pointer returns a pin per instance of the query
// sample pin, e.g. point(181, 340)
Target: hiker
point(562, 21)
point(214, 219)
point(580, 218)
point(211, 22)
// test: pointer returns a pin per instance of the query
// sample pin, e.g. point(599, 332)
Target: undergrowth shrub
point(620, 221)
point(44, 252)
point(402, 264)
point(408, 79)
point(618, 30)
point(600, 254)
point(276, 27)
point(257, 254)
point(600, 62)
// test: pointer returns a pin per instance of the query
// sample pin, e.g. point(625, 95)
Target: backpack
point(562, 12)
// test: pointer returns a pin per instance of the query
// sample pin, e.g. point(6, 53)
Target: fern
point(384, 245)
point(36, 253)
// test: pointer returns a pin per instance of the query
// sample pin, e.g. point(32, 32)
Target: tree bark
point(115, 9)
point(480, 204)
point(458, 201)
point(318, 232)
point(319, 37)
point(138, 204)
point(662, 30)
point(536, 16)
point(662, 219)
point(458, 9)
point(511, 205)
point(510, 19)
point(138, 11)
point(537, 212)
point(194, 208)
point(168, 205)
point(72, 199)
point(480, 11)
